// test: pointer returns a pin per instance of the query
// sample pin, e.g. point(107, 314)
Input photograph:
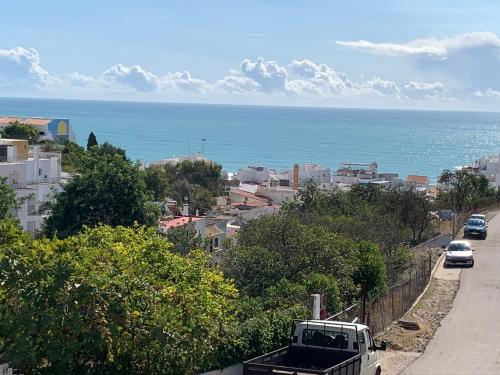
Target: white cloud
point(255, 35)
point(424, 90)
point(21, 66)
point(237, 84)
point(317, 79)
point(488, 93)
point(379, 87)
point(466, 62)
point(134, 77)
point(434, 48)
point(184, 81)
point(267, 73)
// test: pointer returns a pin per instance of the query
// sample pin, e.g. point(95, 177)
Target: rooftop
point(178, 221)
point(422, 180)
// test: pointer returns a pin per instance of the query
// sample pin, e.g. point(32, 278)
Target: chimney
point(185, 209)
point(295, 177)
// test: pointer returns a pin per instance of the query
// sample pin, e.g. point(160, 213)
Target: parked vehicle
point(478, 216)
point(476, 227)
point(459, 253)
point(322, 348)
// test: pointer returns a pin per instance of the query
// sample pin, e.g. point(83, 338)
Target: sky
point(385, 54)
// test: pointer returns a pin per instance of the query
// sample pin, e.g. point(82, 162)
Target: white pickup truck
point(322, 348)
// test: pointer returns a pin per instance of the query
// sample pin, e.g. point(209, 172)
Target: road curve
point(468, 341)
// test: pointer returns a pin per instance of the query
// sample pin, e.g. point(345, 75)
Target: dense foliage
point(465, 191)
point(8, 199)
point(19, 130)
point(107, 189)
point(193, 182)
point(110, 301)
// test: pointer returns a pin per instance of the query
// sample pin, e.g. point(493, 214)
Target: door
point(364, 352)
point(370, 358)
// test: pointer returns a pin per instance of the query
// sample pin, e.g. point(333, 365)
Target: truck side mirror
point(383, 346)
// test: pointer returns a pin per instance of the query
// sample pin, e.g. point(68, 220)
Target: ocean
point(405, 142)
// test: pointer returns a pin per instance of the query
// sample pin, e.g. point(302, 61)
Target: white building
point(489, 167)
point(34, 175)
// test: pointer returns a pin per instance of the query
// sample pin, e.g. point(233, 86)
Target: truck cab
point(346, 339)
point(322, 347)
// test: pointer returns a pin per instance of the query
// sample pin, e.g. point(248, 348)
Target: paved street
point(468, 342)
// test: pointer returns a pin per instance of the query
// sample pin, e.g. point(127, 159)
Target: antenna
point(189, 149)
point(203, 140)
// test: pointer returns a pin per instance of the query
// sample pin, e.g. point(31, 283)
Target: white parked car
point(459, 253)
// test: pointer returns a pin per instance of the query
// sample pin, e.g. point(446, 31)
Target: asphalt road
point(468, 341)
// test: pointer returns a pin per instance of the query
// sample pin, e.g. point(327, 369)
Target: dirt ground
point(406, 345)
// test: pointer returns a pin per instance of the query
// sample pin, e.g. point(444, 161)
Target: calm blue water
point(406, 142)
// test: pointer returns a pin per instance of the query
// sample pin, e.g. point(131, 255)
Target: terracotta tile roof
point(178, 222)
point(8, 120)
point(421, 180)
point(251, 203)
point(36, 121)
point(243, 193)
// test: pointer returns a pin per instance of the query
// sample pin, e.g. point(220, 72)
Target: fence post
point(411, 269)
point(392, 304)
point(363, 303)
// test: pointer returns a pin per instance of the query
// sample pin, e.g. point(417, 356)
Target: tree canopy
point(108, 189)
point(194, 182)
point(8, 199)
point(91, 141)
point(18, 130)
point(111, 301)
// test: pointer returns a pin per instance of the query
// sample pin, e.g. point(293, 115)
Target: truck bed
point(300, 360)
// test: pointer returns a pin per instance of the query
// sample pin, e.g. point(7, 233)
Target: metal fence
point(381, 311)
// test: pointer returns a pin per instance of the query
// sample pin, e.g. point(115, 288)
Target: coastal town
point(257, 226)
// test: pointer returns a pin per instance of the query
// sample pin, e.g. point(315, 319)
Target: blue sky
point(390, 54)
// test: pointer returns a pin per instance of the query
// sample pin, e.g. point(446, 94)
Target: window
point(327, 339)
point(31, 227)
point(362, 342)
point(216, 242)
point(369, 340)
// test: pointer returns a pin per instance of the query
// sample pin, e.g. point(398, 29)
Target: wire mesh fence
point(384, 309)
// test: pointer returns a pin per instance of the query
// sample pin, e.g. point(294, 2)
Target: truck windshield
point(327, 339)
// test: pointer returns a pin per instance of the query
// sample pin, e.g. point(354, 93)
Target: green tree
point(466, 190)
point(288, 249)
point(108, 189)
point(371, 268)
point(8, 199)
point(19, 130)
point(157, 181)
point(91, 141)
point(72, 155)
point(184, 240)
point(202, 200)
point(112, 300)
